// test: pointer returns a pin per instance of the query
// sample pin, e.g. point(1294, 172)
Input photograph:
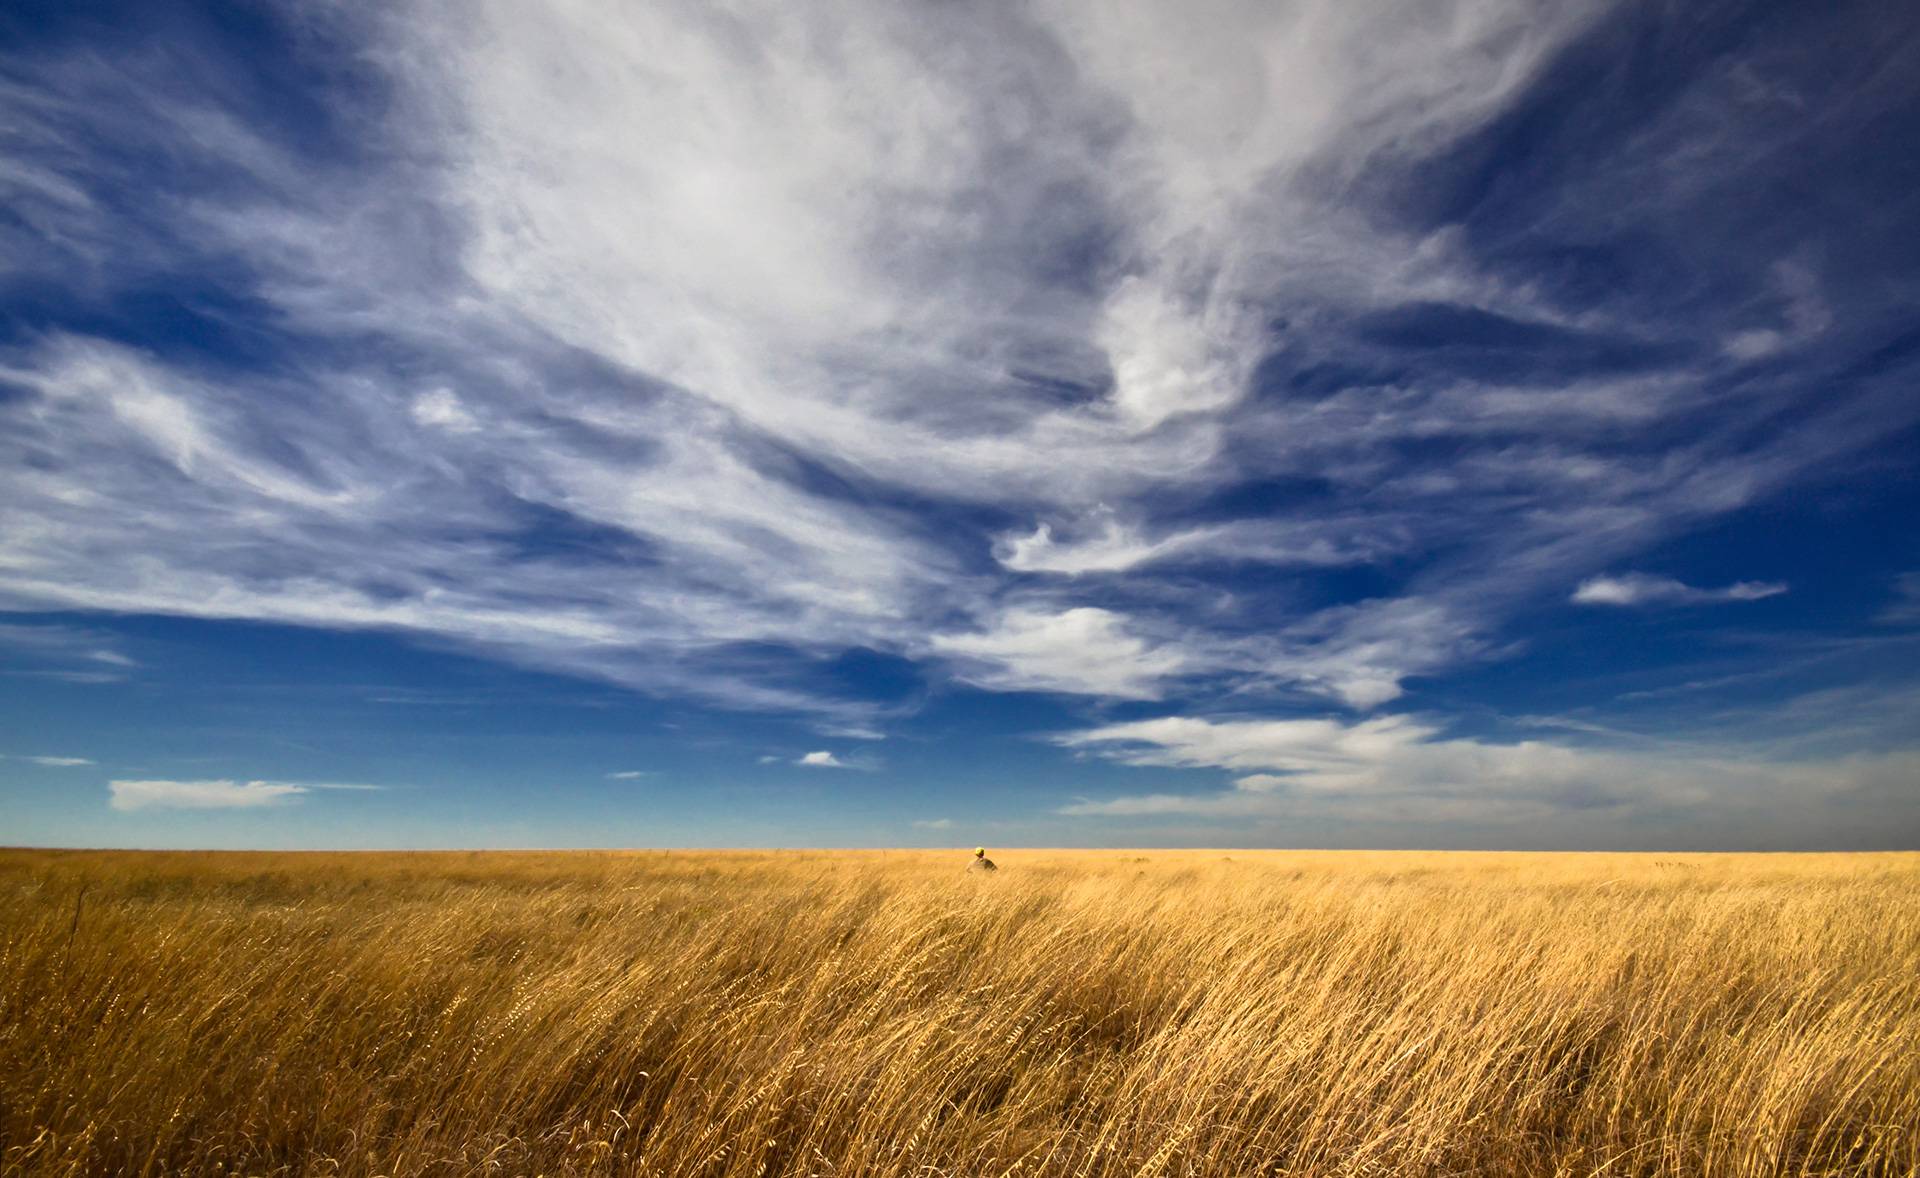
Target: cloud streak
point(217, 794)
point(1632, 589)
point(1405, 772)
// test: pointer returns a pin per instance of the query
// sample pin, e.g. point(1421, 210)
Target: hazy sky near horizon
point(1472, 424)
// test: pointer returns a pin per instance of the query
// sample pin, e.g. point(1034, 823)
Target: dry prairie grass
point(1079, 1013)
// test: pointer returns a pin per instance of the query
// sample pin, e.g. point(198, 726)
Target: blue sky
point(1481, 425)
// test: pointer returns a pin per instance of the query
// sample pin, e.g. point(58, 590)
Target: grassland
point(1078, 1013)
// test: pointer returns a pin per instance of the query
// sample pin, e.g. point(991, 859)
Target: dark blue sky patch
point(886, 678)
point(543, 532)
point(1263, 497)
point(293, 76)
point(1465, 342)
point(1594, 95)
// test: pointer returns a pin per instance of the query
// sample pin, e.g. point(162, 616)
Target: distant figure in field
point(980, 861)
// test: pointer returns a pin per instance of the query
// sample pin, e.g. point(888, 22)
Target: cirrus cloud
point(217, 794)
point(987, 339)
point(1646, 589)
point(1407, 771)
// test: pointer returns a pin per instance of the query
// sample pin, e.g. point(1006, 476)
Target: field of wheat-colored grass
point(874, 1013)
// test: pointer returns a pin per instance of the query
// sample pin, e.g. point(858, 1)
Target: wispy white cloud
point(630, 775)
point(1797, 314)
point(441, 409)
point(1105, 545)
point(821, 760)
point(59, 762)
point(72, 653)
point(1402, 770)
point(1083, 650)
point(1906, 600)
point(934, 824)
point(1315, 747)
point(852, 731)
point(200, 795)
point(218, 794)
point(87, 677)
point(1647, 589)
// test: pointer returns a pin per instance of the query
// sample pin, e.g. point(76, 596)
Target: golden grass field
point(884, 1013)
